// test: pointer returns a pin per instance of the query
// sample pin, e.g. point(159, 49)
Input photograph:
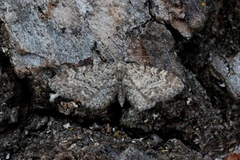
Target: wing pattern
point(97, 86)
point(94, 86)
point(147, 85)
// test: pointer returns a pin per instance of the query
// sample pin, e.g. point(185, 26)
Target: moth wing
point(94, 86)
point(145, 86)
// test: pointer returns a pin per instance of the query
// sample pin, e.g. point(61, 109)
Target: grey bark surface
point(197, 41)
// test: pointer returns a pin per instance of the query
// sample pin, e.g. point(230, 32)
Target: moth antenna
point(98, 49)
point(127, 57)
point(111, 58)
point(117, 47)
point(97, 52)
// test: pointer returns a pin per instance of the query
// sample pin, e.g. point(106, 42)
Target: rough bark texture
point(196, 40)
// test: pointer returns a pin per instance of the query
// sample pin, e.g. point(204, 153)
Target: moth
point(96, 86)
